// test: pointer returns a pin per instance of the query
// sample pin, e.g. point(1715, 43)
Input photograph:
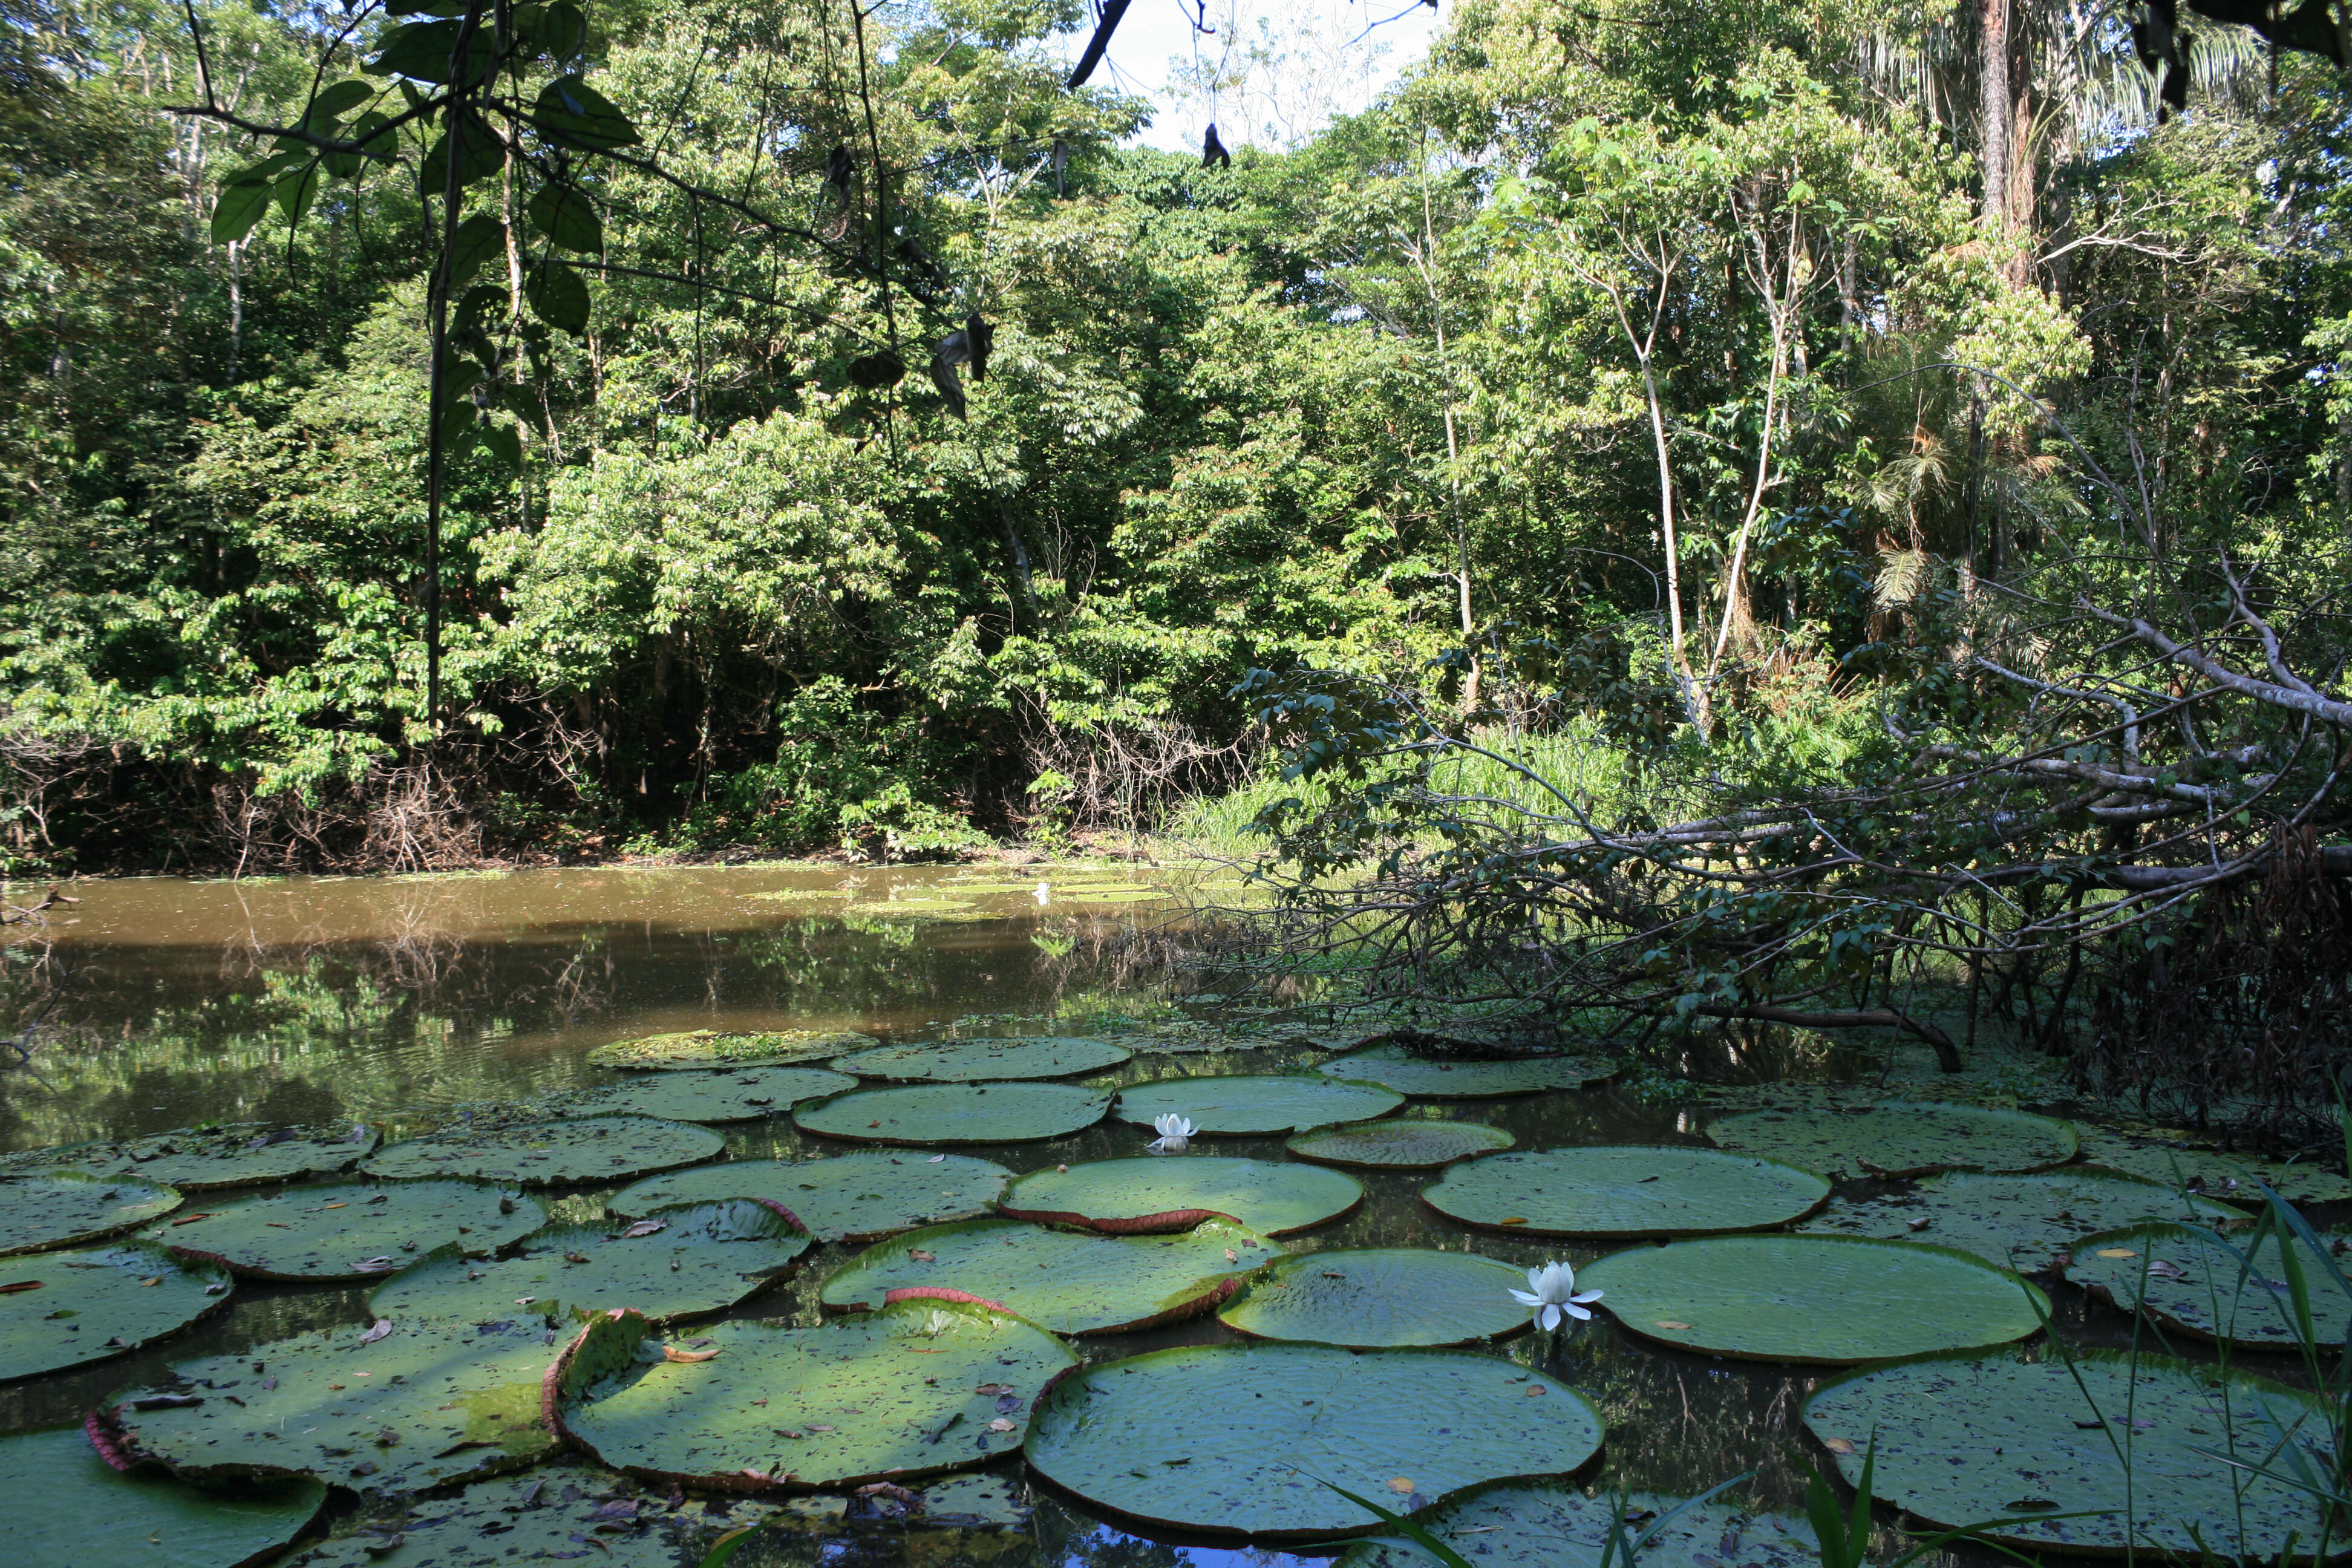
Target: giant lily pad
point(956, 1113)
point(352, 1230)
point(1154, 1194)
point(1837, 1299)
point(1963, 1439)
point(861, 1196)
point(674, 1263)
point(1378, 1298)
point(735, 1096)
point(63, 1208)
point(1554, 1526)
point(2210, 1173)
point(553, 1154)
point(1403, 1143)
point(198, 1159)
point(426, 1403)
point(1249, 1439)
point(973, 1061)
point(1902, 1138)
point(75, 1510)
point(697, 1049)
point(61, 1309)
point(2020, 1222)
point(1069, 1281)
point(1394, 1066)
point(2186, 1281)
point(495, 1524)
point(1611, 1190)
point(1255, 1105)
point(911, 1390)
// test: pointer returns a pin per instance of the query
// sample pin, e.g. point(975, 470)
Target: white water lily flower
point(1175, 1131)
point(1552, 1296)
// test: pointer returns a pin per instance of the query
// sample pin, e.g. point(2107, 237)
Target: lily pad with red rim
point(352, 1230)
point(1243, 1106)
point(66, 1208)
point(1902, 1138)
point(60, 1309)
point(1618, 1190)
point(975, 1061)
point(1379, 1297)
point(912, 1390)
point(201, 1159)
point(2024, 1222)
point(1152, 1192)
point(1396, 1066)
point(553, 1154)
point(734, 1095)
point(1267, 1430)
point(1516, 1526)
point(2230, 1291)
point(697, 1049)
point(925, 1113)
point(75, 1510)
point(1398, 1144)
point(1072, 1282)
point(858, 1196)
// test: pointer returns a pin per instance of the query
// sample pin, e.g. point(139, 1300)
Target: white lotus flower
point(1175, 1132)
point(1552, 1296)
point(1045, 894)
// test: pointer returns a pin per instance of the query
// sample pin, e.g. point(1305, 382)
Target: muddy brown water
point(406, 1001)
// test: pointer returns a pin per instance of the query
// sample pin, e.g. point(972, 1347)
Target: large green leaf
point(2190, 1284)
point(1073, 1282)
point(1613, 1190)
point(241, 205)
point(736, 1095)
point(1838, 1299)
point(1398, 1066)
point(1554, 1527)
point(574, 114)
point(566, 216)
point(426, 1403)
point(681, 1262)
point(423, 51)
point(558, 295)
point(62, 1308)
point(1902, 1138)
point(498, 1523)
point(1963, 1439)
point(69, 1508)
point(1249, 1439)
point(553, 1154)
point(956, 1113)
point(1154, 1194)
point(695, 1050)
point(479, 239)
point(910, 1390)
point(970, 1061)
point(354, 1230)
point(60, 1208)
point(200, 1159)
point(1402, 1143)
point(1379, 1297)
point(2210, 1173)
point(860, 1197)
point(2022, 1221)
point(1248, 1105)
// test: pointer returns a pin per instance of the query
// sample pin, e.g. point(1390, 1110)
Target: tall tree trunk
point(1994, 109)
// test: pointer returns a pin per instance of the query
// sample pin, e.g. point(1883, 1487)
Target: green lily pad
point(1379, 1297)
point(734, 1096)
point(2208, 1173)
point(695, 1048)
point(861, 1196)
point(428, 1403)
point(1837, 1299)
point(1612, 1190)
point(99, 1302)
point(2019, 1222)
point(74, 1511)
point(64, 1209)
point(956, 1113)
point(975, 1061)
point(1396, 1065)
point(704, 1258)
point(1963, 1439)
point(352, 1230)
point(1072, 1282)
point(910, 1390)
point(495, 1524)
point(1552, 1527)
point(1245, 1106)
point(1150, 1192)
point(1248, 1439)
point(199, 1158)
point(1402, 1143)
point(2186, 1283)
point(553, 1154)
point(1902, 1138)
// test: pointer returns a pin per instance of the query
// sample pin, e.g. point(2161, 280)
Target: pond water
point(407, 1002)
